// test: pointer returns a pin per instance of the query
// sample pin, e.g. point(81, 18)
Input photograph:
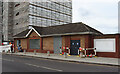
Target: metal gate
point(57, 44)
point(74, 46)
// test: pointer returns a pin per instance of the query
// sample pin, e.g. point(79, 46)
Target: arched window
point(16, 23)
point(17, 5)
point(17, 14)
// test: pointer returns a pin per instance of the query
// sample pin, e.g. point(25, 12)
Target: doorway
point(74, 47)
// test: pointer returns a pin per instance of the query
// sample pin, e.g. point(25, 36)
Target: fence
point(86, 52)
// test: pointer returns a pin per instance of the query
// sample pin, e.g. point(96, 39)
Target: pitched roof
point(22, 34)
point(66, 28)
point(71, 28)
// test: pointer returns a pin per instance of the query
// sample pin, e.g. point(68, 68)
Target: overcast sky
point(99, 14)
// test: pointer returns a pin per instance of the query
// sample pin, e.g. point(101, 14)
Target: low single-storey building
point(72, 35)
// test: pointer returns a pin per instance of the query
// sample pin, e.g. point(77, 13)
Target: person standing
point(18, 48)
point(60, 50)
point(12, 46)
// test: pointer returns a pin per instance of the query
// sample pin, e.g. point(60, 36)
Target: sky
point(99, 14)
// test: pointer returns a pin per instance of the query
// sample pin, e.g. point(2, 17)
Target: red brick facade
point(86, 41)
point(110, 54)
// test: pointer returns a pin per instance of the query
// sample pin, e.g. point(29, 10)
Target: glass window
point(72, 43)
point(17, 5)
point(34, 43)
point(18, 42)
point(17, 13)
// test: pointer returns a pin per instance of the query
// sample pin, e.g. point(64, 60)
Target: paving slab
point(93, 60)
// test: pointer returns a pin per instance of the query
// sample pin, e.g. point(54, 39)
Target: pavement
point(13, 63)
point(93, 60)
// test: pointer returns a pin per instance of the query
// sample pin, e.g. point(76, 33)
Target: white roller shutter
point(105, 45)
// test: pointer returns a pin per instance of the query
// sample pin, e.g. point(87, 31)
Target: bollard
point(81, 54)
point(95, 51)
point(34, 52)
point(48, 53)
point(24, 51)
point(78, 52)
point(3, 51)
point(16, 51)
point(65, 55)
point(8, 51)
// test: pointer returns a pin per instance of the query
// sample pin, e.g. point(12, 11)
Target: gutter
point(20, 37)
point(81, 33)
point(68, 34)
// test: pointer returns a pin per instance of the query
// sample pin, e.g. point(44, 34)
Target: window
point(34, 44)
point(16, 23)
point(10, 15)
point(17, 5)
point(17, 14)
point(18, 42)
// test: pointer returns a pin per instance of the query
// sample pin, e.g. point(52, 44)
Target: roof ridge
point(93, 28)
point(86, 27)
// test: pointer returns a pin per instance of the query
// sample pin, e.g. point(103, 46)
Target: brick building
point(72, 35)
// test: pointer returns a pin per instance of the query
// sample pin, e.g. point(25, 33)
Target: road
point(12, 63)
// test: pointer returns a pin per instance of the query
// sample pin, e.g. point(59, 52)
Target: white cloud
point(100, 14)
point(95, 1)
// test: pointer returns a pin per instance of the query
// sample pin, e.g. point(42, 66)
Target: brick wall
point(15, 44)
point(24, 43)
point(33, 34)
point(63, 41)
point(109, 54)
point(82, 38)
point(119, 46)
point(104, 36)
point(48, 43)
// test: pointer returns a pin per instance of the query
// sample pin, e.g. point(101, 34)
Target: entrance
point(57, 44)
point(74, 47)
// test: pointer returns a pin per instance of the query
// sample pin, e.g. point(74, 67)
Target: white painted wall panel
point(105, 45)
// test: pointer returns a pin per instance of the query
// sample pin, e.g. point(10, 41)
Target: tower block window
point(17, 5)
point(17, 14)
point(16, 23)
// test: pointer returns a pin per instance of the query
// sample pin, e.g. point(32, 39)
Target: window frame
point(34, 48)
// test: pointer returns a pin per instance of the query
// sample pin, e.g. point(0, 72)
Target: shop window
point(17, 5)
point(34, 43)
point(17, 14)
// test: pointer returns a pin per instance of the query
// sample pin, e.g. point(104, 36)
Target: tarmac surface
point(13, 63)
point(73, 58)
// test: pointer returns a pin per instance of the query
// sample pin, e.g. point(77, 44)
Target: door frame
point(70, 43)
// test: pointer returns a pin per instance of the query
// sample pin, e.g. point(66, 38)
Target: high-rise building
point(7, 20)
point(22, 14)
point(1, 17)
